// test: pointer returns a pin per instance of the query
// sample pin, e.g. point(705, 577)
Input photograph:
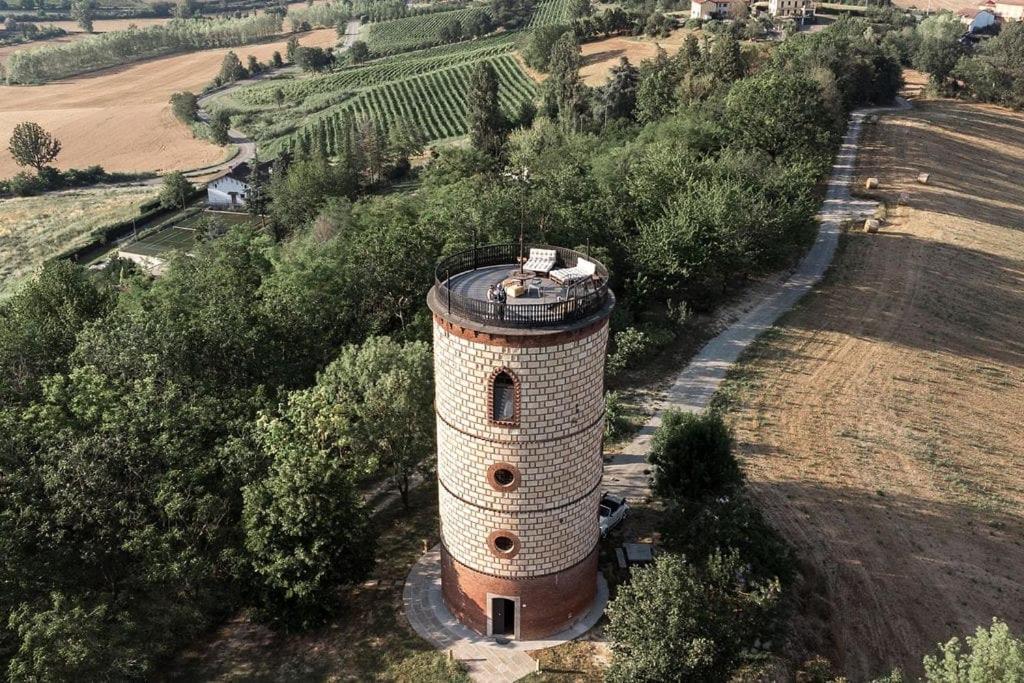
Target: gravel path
point(627, 473)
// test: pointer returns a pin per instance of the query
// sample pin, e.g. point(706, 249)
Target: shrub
point(692, 455)
point(25, 184)
point(631, 345)
point(185, 105)
point(993, 654)
point(615, 422)
point(676, 622)
point(426, 667)
point(729, 521)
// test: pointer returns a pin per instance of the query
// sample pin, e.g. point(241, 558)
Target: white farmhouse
point(717, 9)
point(230, 190)
point(977, 19)
point(797, 9)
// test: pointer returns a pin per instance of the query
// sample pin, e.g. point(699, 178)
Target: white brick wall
point(556, 447)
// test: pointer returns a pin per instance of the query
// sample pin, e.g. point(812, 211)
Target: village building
point(718, 9)
point(796, 9)
point(1004, 10)
point(231, 189)
point(977, 19)
point(519, 356)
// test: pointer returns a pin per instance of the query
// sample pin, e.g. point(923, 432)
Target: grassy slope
point(34, 228)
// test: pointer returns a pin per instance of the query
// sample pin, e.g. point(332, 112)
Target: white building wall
point(219, 191)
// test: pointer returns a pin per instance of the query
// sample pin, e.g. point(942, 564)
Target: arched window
point(504, 398)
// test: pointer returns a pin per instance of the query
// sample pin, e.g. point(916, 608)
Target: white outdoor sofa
point(540, 261)
point(584, 269)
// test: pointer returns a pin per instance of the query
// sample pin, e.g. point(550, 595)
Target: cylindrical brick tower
point(520, 420)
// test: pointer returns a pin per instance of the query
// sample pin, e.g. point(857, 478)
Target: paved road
point(246, 147)
point(627, 473)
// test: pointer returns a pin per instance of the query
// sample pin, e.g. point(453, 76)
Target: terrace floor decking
point(474, 284)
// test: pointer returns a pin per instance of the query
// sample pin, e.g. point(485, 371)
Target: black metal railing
point(581, 299)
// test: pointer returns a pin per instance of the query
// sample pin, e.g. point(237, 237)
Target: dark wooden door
point(503, 617)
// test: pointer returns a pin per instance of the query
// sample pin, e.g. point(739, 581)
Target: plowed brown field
point(882, 423)
point(120, 118)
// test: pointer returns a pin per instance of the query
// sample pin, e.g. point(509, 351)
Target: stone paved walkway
point(488, 661)
point(693, 388)
point(626, 474)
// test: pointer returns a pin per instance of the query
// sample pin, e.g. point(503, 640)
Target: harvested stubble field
point(33, 229)
point(600, 56)
point(120, 118)
point(881, 422)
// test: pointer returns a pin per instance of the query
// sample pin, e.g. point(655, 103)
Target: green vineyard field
point(549, 12)
point(425, 88)
point(411, 33)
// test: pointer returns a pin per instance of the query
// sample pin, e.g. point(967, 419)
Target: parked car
point(610, 512)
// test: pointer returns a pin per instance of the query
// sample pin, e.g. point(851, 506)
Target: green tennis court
point(169, 239)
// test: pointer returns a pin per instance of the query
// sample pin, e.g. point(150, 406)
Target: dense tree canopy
point(679, 622)
point(161, 453)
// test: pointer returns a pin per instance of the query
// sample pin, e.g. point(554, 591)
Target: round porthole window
point(503, 477)
point(503, 543)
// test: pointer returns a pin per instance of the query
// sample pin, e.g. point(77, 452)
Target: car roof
point(612, 497)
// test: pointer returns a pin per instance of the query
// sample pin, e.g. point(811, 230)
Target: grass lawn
point(33, 229)
point(369, 639)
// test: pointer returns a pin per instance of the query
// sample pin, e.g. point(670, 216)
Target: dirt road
point(882, 423)
point(120, 118)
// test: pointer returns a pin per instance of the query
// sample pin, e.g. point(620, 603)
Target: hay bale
point(923, 178)
point(871, 225)
point(871, 184)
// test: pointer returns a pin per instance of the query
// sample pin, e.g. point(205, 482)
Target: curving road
point(246, 147)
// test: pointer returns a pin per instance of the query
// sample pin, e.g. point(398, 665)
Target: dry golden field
point(882, 422)
point(120, 118)
point(600, 56)
point(33, 229)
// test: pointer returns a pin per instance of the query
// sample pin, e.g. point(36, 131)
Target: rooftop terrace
point(566, 290)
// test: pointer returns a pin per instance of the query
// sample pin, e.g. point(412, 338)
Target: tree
point(312, 58)
point(580, 8)
point(655, 92)
point(618, 96)
point(231, 69)
point(84, 11)
point(220, 128)
point(185, 9)
point(993, 654)
point(291, 47)
point(781, 114)
point(253, 65)
point(539, 44)
point(306, 530)
point(359, 52)
point(692, 456)
point(674, 622)
point(486, 123)
point(185, 106)
point(564, 92)
point(39, 325)
point(938, 47)
point(176, 191)
point(725, 60)
point(276, 60)
point(32, 146)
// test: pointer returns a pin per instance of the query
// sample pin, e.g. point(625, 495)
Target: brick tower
point(520, 420)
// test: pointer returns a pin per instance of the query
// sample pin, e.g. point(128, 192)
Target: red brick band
point(548, 604)
point(521, 341)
